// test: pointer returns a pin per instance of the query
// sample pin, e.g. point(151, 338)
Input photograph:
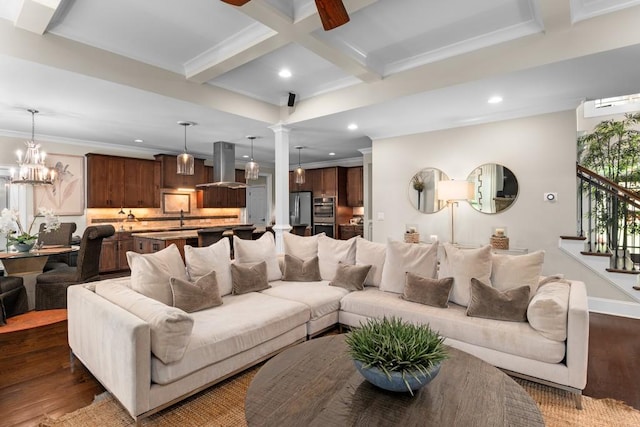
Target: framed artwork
point(66, 195)
point(176, 202)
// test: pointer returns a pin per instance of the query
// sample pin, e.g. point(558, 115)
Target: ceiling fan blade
point(332, 13)
point(235, 2)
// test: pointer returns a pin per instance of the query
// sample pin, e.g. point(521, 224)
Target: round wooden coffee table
point(316, 384)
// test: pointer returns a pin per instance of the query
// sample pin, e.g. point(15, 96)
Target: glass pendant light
point(32, 169)
point(299, 172)
point(186, 163)
point(251, 169)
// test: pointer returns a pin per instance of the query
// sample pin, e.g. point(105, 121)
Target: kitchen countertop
point(171, 233)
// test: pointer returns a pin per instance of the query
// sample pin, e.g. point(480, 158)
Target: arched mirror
point(423, 188)
point(495, 187)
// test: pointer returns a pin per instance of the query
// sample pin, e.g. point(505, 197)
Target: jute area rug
point(223, 405)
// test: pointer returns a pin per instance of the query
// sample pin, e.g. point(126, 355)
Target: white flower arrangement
point(10, 225)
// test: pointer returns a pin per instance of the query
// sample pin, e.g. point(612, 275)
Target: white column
point(282, 184)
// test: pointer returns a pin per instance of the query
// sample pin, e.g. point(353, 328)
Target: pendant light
point(299, 172)
point(251, 169)
point(32, 169)
point(186, 163)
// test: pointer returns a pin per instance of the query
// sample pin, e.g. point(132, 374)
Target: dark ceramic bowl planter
point(24, 247)
point(394, 381)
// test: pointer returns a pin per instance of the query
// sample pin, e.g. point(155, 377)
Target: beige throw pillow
point(303, 247)
point(255, 251)
point(333, 251)
point(373, 254)
point(509, 271)
point(462, 265)
point(427, 291)
point(215, 257)
point(350, 277)
point(299, 270)
point(190, 296)
point(549, 308)
point(170, 327)
point(249, 277)
point(150, 273)
point(403, 257)
point(490, 303)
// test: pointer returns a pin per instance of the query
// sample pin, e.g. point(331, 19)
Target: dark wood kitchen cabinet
point(169, 177)
point(114, 182)
point(355, 193)
point(222, 197)
point(113, 254)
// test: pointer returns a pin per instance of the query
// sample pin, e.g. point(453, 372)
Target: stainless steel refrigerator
point(300, 208)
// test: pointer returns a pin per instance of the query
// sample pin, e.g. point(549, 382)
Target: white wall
point(540, 150)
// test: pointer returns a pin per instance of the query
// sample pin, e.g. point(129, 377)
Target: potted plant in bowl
point(396, 355)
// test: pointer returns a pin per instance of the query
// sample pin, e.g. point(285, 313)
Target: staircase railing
point(609, 220)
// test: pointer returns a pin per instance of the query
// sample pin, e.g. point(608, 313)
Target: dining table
point(31, 263)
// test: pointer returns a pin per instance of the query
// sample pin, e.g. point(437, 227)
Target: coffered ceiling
point(110, 72)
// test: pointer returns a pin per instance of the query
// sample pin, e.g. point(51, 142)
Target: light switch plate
point(380, 216)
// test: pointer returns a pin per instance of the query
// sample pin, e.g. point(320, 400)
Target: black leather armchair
point(51, 286)
point(13, 298)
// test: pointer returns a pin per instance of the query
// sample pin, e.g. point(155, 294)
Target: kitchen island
point(146, 243)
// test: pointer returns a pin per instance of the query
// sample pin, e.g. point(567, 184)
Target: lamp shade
point(455, 190)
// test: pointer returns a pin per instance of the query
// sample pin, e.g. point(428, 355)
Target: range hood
point(224, 167)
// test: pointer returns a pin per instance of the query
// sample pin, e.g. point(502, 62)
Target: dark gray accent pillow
point(490, 303)
point(350, 277)
point(196, 296)
point(299, 270)
point(427, 291)
point(249, 277)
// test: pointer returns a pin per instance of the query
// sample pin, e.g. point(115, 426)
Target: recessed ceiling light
point(495, 100)
point(332, 154)
point(246, 156)
point(138, 140)
point(284, 73)
point(352, 126)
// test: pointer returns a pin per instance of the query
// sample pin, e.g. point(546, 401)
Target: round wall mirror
point(495, 187)
point(423, 188)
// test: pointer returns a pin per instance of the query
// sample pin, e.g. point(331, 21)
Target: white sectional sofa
point(150, 355)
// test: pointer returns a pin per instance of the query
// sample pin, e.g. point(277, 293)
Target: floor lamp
point(453, 191)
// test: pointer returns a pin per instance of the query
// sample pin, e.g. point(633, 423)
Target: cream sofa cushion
point(548, 310)
point(303, 247)
point(463, 265)
point(373, 254)
point(170, 327)
point(331, 252)
point(150, 273)
point(215, 257)
point(255, 251)
point(510, 271)
point(407, 257)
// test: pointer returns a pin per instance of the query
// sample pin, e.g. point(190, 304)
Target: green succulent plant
point(390, 344)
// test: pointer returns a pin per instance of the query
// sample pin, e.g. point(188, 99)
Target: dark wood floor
point(40, 382)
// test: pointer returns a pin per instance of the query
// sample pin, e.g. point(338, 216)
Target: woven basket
point(412, 237)
point(499, 242)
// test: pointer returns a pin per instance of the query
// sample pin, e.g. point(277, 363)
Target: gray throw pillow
point(249, 277)
point(490, 303)
point(350, 277)
point(198, 295)
point(299, 270)
point(427, 291)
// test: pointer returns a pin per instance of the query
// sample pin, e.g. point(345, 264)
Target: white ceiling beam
point(599, 34)
point(65, 54)
point(36, 15)
point(555, 15)
point(286, 32)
